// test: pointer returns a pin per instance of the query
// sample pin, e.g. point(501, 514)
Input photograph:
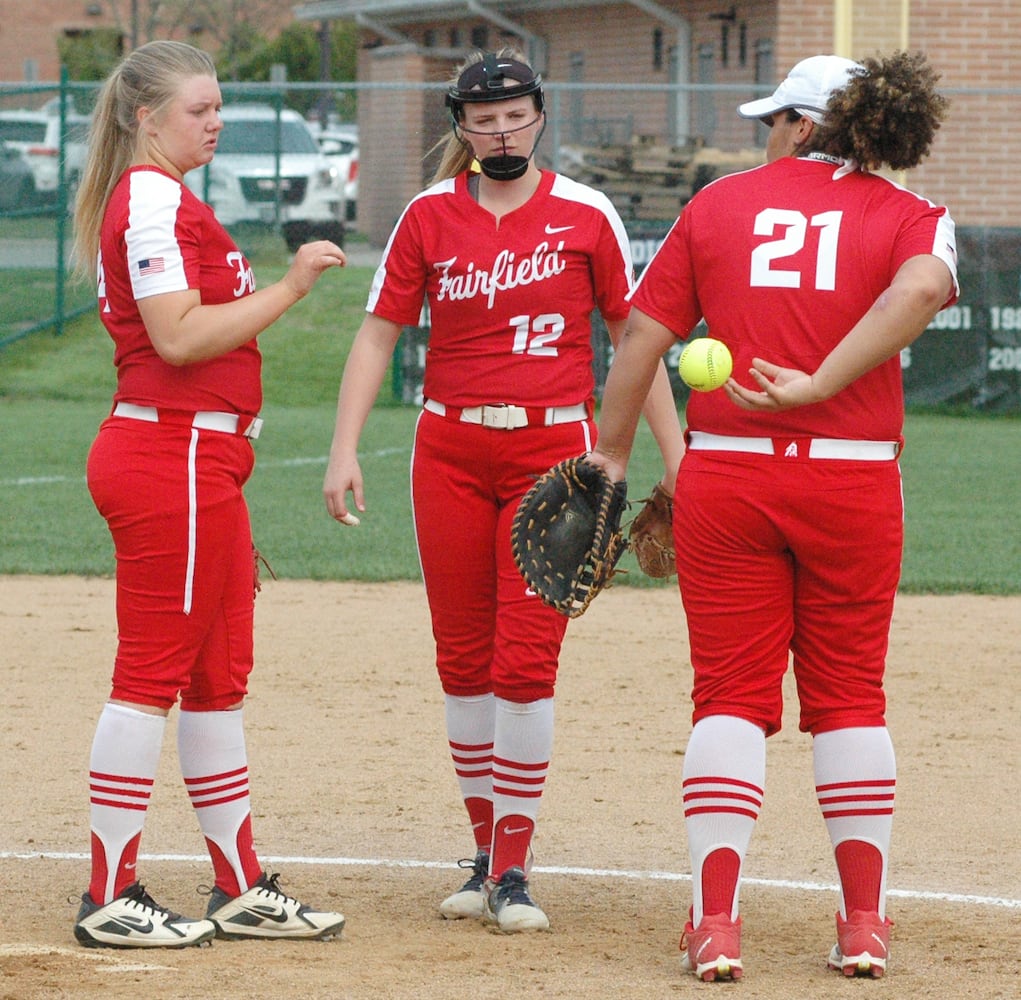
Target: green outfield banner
point(971, 353)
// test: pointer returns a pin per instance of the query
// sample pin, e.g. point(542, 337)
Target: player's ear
point(804, 130)
point(145, 120)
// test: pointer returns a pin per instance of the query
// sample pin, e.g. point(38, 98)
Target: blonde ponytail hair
point(147, 78)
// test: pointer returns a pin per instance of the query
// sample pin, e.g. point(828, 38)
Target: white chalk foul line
point(264, 463)
point(612, 873)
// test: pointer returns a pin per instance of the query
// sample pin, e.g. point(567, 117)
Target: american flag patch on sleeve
point(151, 265)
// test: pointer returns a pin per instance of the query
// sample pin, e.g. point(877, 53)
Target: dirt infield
point(355, 804)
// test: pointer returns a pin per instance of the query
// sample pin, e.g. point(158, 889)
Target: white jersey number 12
point(536, 335)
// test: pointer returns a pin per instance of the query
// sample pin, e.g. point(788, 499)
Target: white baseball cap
point(808, 88)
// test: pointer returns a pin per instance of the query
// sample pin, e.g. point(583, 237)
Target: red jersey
point(510, 304)
point(782, 261)
point(158, 237)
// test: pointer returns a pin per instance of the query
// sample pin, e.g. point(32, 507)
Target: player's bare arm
point(364, 372)
point(660, 412)
point(899, 316)
point(184, 331)
point(636, 361)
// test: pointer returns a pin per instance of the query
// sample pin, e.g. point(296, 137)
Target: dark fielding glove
point(566, 534)
point(258, 557)
point(651, 536)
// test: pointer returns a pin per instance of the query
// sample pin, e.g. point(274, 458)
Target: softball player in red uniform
point(788, 509)
point(512, 260)
point(166, 471)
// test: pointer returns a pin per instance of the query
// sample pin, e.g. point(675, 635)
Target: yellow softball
point(705, 364)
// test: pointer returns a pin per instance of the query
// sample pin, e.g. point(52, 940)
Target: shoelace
point(137, 896)
point(480, 861)
point(480, 868)
point(270, 886)
point(267, 886)
point(513, 891)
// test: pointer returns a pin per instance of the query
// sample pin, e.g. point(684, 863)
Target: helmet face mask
point(496, 79)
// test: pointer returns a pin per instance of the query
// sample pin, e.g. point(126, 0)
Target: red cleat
point(713, 951)
point(863, 945)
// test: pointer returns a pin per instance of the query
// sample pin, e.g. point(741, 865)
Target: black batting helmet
point(487, 80)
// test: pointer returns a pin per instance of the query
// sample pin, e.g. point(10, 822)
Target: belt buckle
point(494, 416)
point(504, 416)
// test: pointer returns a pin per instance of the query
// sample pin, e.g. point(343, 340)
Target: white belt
point(204, 420)
point(507, 417)
point(862, 451)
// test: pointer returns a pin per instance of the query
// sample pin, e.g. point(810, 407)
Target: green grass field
point(962, 476)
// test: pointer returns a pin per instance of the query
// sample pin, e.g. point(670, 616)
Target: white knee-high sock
point(855, 783)
point(214, 765)
point(122, 770)
point(522, 748)
point(723, 779)
point(470, 726)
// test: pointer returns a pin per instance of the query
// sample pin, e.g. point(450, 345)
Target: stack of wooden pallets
point(648, 180)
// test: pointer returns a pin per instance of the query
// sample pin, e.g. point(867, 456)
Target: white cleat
point(135, 920)
point(266, 911)
point(509, 907)
point(469, 902)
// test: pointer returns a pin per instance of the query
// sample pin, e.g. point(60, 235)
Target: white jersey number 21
point(795, 228)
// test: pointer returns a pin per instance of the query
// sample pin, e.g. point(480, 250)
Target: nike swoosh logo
point(509, 831)
point(135, 923)
point(553, 230)
point(278, 916)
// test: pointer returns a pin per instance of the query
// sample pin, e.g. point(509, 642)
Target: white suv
point(340, 144)
point(250, 181)
point(36, 135)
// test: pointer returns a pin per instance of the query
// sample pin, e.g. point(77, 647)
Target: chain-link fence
point(42, 153)
point(649, 148)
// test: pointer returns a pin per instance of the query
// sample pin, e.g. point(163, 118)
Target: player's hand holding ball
point(705, 364)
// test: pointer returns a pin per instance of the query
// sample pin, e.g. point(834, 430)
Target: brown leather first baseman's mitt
point(566, 534)
point(651, 536)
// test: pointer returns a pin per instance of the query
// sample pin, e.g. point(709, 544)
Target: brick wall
point(393, 138)
point(968, 41)
point(29, 30)
point(973, 45)
point(973, 167)
point(971, 42)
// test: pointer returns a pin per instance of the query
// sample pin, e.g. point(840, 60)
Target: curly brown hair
point(888, 114)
